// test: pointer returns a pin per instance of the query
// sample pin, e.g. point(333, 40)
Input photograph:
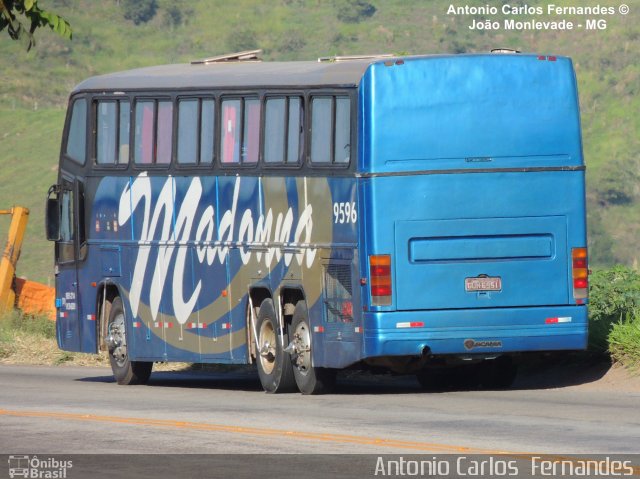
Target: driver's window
point(66, 249)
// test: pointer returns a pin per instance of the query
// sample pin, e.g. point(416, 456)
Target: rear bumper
point(504, 330)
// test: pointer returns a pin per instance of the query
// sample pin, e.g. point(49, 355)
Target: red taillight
point(580, 274)
point(380, 269)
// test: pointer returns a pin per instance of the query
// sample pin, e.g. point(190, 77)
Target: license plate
point(483, 283)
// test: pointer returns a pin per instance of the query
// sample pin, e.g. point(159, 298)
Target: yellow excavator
point(29, 296)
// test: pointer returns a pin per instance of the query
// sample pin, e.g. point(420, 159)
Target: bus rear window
point(77, 135)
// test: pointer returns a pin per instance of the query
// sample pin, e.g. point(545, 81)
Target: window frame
point(200, 97)
point(286, 95)
point(242, 97)
point(334, 94)
point(156, 99)
point(304, 166)
point(116, 165)
point(67, 130)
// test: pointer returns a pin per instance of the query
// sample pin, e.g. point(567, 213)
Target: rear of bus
point(472, 194)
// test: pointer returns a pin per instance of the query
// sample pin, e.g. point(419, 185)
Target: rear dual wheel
point(310, 379)
point(279, 370)
point(274, 364)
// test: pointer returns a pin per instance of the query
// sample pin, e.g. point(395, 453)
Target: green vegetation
point(624, 342)
point(132, 34)
point(14, 14)
point(614, 314)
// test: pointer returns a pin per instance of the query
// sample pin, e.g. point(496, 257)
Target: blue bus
point(411, 213)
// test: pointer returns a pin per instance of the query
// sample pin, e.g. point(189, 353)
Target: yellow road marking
point(311, 436)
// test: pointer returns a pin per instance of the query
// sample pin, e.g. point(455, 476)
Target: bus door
point(65, 204)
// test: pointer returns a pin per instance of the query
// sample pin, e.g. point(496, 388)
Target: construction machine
point(29, 296)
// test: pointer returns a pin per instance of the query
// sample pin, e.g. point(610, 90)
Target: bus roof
point(236, 74)
point(247, 74)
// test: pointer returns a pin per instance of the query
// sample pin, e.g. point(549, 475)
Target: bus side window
point(295, 134)
point(283, 130)
point(164, 136)
point(207, 131)
point(77, 136)
point(230, 131)
point(144, 132)
point(123, 133)
point(251, 131)
point(321, 124)
point(342, 140)
point(187, 131)
point(274, 124)
point(112, 132)
point(106, 132)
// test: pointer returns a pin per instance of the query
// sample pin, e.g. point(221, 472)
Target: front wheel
point(124, 370)
point(310, 379)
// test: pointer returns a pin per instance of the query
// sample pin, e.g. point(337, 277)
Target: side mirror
point(52, 217)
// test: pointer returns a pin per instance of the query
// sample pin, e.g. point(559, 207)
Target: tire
point(124, 370)
point(274, 365)
point(310, 379)
point(498, 373)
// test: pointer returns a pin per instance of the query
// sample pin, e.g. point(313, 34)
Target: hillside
point(35, 85)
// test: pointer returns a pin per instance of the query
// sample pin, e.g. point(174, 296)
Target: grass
point(624, 342)
point(28, 339)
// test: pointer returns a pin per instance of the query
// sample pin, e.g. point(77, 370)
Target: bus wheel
point(274, 365)
point(125, 371)
point(310, 380)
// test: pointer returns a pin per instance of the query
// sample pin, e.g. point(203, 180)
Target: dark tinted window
point(144, 135)
point(274, 125)
point(187, 131)
point(283, 130)
point(77, 137)
point(331, 129)
point(321, 125)
point(106, 133)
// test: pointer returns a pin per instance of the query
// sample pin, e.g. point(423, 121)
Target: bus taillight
point(580, 274)
point(380, 268)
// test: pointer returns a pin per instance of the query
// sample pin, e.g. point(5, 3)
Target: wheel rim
point(302, 347)
point(119, 339)
point(267, 346)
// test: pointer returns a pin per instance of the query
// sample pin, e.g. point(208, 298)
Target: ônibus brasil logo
point(34, 467)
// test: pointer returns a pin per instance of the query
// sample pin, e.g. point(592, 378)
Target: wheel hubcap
point(267, 346)
point(117, 340)
point(302, 347)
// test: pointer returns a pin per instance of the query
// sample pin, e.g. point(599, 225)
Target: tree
point(22, 18)
point(353, 11)
point(139, 11)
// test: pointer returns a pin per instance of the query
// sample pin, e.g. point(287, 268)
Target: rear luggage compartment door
point(481, 263)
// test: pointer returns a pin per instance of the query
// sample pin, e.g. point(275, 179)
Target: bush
point(624, 342)
point(614, 297)
point(139, 11)
point(617, 183)
point(353, 11)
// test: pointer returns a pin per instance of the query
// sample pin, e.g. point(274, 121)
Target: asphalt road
point(70, 410)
